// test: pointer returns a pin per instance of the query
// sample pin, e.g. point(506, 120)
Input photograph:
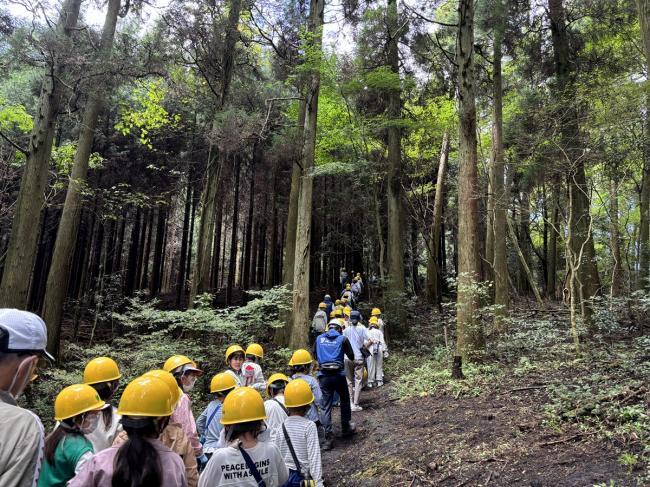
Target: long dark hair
point(106, 391)
point(137, 463)
point(67, 427)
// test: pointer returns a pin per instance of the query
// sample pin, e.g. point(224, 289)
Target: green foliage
point(14, 117)
point(63, 158)
point(145, 113)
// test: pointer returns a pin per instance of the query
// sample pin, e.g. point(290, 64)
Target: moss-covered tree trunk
point(433, 269)
point(300, 331)
point(470, 340)
point(66, 237)
point(14, 288)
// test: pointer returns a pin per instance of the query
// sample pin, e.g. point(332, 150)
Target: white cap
point(22, 331)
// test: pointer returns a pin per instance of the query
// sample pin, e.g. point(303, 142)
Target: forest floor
point(547, 420)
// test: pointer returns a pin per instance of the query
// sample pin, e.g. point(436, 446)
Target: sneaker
point(355, 408)
point(380, 383)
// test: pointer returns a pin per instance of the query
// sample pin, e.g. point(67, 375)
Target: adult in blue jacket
point(329, 305)
point(330, 349)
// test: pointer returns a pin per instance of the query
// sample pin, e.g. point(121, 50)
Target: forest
point(180, 175)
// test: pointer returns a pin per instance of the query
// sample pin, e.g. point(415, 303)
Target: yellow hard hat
point(233, 349)
point(338, 301)
point(347, 310)
point(168, 379)
point(176, 361)
point(338, 312)
point(375, 312)
point(146, 396)
point(373, 320)
point(322, 306)
point(222, 382)
point(342, 322)
point(255, 349)
point(275, 378)
point(76, 399)
point(347, 287)
point(358, 274)
point(243, 405)
point(298, 393)
point(332, 313)
point(101, 369)
point(301, 357)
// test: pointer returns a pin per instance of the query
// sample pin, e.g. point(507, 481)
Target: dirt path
point(495, 439)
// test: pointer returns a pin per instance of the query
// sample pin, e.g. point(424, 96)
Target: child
point(298, 440)
point(142, 459)
point(275, 411)
point(245, 461)
point(172, 436)
point(377, 312)
point(300, 364)
point(208, 424)
point(377, 351)
point(77, 407)
point(103, 375)
point(253, 376)
point(235, 359)
point(186, 373)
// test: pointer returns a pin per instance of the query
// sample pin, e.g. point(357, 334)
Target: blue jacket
point(329, 308)
point(331, 347)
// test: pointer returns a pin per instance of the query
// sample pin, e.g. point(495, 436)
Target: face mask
point(25, 378)
point(190, 385)
point(89, 423)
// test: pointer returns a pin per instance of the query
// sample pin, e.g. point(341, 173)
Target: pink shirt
point(184, 417)
point(98, 471)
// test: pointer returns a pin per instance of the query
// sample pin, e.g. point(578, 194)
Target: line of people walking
point(152, 438)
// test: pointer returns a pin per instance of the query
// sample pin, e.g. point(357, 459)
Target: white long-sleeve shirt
point(252, 376)
point(103, 436)
point(275, 415)
point(304, 438)
point(377, 336)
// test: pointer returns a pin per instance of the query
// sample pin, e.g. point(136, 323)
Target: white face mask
point(25, 379)
point(89, 423)
point(187, 387)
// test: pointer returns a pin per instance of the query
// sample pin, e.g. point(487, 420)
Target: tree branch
point(14, 144)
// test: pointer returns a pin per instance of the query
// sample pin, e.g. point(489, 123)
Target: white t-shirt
point(275, 415)
point(227, 467)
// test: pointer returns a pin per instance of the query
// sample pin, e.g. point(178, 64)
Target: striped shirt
point(304, 438)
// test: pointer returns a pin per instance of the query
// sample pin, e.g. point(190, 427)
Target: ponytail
point(137, 463)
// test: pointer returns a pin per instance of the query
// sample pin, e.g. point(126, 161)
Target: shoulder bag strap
point(284, 408)
point(251, 466)
point(216, 410)
point(293, 452)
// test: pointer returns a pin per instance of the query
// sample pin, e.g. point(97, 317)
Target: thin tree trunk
point(132, 261)
point(147, 251)
point(246, 272)
point(272, 261)
point(524, 263)
point(203, 265)
point(470, 340)
point(154, 284)
point(233, 238)
point(180, 281)
point(299, 336)
point(643, 7)
point(396, 227)
point(380, 239)
point(615, 238)
point(433, 269)
point(553, 238)
point(497, 172)
point(19, 260)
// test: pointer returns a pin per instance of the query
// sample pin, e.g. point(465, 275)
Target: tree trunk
point(644, 196)
point(615, 238)
point(203, 265)
point(232, 259)
point(14, 288)
point(380, 239)
point(524, 264)
point(180, 281)
point(396, 229)
point(132, 261)
point(551, 267)
point(154, 284)
point(272, 261)
point(246, 272)
point(470, 340)
point(300, 331)
point(581, 239)
point(498, 189)
point(433, 269)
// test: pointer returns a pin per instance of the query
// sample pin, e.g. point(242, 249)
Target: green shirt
point(68, 453)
